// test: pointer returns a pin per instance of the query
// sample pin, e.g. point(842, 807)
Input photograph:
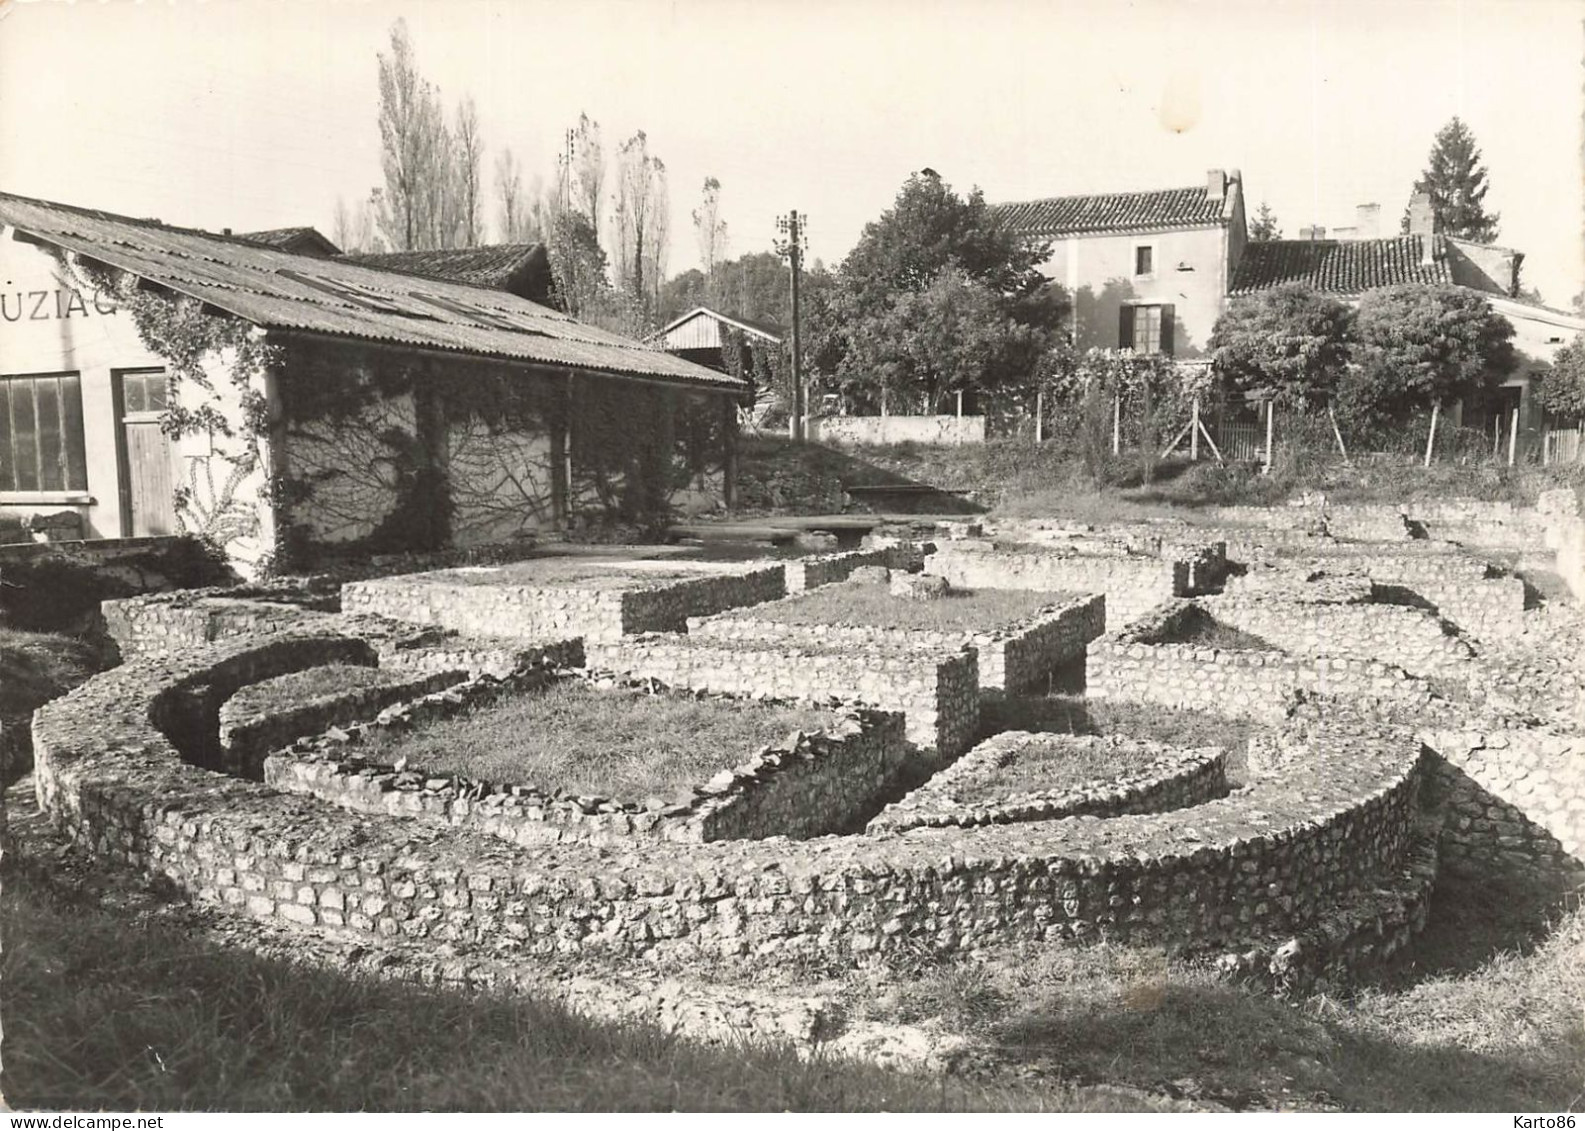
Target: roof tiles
point(1344, 267)
point(492, 266)
point(1112, 212)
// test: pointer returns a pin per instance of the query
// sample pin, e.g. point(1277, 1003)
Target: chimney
point(225, 231)
point(1367, 221)
point(1422, 217)
point(1312, 233)
point(1215, 186)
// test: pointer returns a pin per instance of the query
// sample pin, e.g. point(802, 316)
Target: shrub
point(1290, 342)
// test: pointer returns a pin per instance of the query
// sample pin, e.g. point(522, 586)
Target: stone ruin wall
point(808, 784)
point(560, 611)
point(1132, 585)
point(1132, 665)
point(1510, 801)
point(938, 691)
point(824, 569)
point(1014, 659)
point(1173, 779)
point(1262, 865)
point(1412, 639)
point(257, 720)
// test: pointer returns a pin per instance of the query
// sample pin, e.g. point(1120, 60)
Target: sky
point(254, 114)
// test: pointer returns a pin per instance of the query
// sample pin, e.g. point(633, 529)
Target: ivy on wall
point(200, 348)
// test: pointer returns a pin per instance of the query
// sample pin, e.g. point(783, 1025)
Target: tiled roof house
point(1147, 270)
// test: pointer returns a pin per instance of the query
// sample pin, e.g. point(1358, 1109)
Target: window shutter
point(1166, 328)
point(1125, 327)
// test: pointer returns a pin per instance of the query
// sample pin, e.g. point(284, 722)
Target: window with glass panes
point(1145, 329)
point(143, 392)
point(41, 433)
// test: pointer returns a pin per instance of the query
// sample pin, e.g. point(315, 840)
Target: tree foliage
point(642, 215)
point(1265, 227)
point(1561, 390)
point(1419, 346)
point(1456, 182)
point(935, 298)
point(709, 228)
point(1290, 342)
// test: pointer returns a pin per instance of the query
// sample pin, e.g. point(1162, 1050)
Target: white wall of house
point(48, 327)
point(1188, 271)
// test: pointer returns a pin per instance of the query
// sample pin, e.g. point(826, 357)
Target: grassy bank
point(1019, 477)
point(109, 1011)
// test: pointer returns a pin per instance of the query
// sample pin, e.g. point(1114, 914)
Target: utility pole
point(791, 245)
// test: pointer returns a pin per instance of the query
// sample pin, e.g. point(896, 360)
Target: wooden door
point(148, 487)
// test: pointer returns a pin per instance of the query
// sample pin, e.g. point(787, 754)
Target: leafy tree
point(1264, 229)
point(1290, 342)
point(1456, 180)
point(956, 334)
point(935, 298)
point(1561, 390)
point(1422, 347)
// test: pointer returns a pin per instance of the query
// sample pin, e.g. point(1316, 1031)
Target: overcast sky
point(247, 114)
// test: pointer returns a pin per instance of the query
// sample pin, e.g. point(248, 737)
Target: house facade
point(1348, 267)
point(1148, 271)
point(158, 380)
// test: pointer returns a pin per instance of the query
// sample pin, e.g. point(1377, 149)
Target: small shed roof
point(750, 326)
point(279, 290)
point(499, 266)
point(303, 240)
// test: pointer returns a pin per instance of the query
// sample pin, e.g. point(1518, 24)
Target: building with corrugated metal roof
point(393, 411)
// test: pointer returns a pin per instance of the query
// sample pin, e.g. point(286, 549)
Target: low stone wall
point(1016, 659)
point(823, 569)
point(937, 691)
point(1205, 554)
point(1409, 638)
point(808, 784)
point(1255, 867)
point(1131, 664)
point(1510, 801)
point(56, 586)
point(273, 713)
point(170, 623)
point(560, 611)
point(1133, 585)
point(1167, 779)
point(897, 429)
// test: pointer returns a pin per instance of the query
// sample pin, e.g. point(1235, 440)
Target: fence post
point(1430, 438)
point(1194, 432)
point(1117, 424)
point(1513, 438)
point(1271, 417)
point(1040, 415)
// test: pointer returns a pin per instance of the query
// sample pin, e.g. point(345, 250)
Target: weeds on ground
point(620, 743)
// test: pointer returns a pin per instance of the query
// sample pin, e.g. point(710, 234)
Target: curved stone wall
point(1166, 779)
point(1266, 862)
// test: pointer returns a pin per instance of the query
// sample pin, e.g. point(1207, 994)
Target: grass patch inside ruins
point(1043, 767)
point(869, 605)
point(621, 743)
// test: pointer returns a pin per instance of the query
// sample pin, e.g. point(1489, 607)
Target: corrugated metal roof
point(492, 266)
point(279, 290)
point(1342, 267)
point(1112, 212)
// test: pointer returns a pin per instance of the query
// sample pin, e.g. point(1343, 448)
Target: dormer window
point(1144, 260)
